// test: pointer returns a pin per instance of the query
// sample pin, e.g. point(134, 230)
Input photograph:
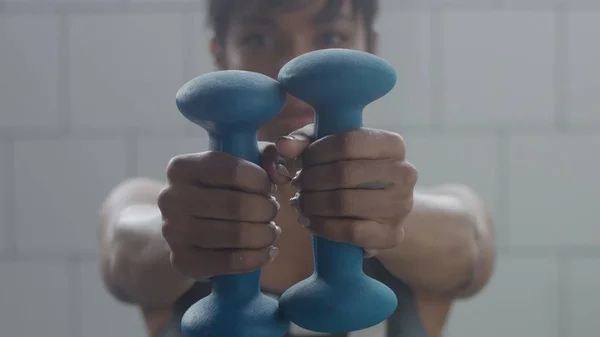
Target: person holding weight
point(219, 215)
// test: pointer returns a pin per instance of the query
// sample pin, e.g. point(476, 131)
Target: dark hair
point(220, 12)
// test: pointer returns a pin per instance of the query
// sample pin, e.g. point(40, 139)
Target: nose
point(300, 44)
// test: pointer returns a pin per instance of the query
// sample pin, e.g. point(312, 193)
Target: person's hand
point(354, 187)
point(218, 214)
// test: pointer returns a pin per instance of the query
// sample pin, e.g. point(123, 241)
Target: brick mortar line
point(64, 72)
point(549, 251)
point(131, 156)
point(98, 133)
point(128, 6)
point(503, 188)
point(75, 291)
point(436, 67)
point(190, 132)
point(106, 8)
point(561, 116)
point(9, 202)
point(49, 256)
point(562, 310)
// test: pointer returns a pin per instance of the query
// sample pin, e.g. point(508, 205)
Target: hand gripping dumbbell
point(231, 106)
point(338, 297)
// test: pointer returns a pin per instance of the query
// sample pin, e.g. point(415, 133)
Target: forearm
point(134, 255)
point(448, 245)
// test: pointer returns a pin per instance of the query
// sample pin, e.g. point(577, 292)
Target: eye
point(256, 41)
point(332, 39)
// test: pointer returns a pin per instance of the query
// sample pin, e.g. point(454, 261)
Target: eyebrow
point(321, 18)
point(258, 20)
point(325, 17)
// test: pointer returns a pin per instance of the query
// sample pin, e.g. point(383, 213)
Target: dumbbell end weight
point(338, 297)
point(231, 106)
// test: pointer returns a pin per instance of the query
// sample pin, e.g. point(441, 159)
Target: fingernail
point(296, 180)
point(296, 183)
point(273, 253)
point(304, 221)
point(276, 228)
point(294, 202)
point(283, 171)
point(287, 138)
point(274, 199)
point(273, 189)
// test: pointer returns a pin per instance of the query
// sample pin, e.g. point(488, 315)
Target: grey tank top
point(405, 322)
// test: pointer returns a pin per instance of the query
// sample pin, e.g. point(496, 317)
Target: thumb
point(272, 162)
point(295, 143)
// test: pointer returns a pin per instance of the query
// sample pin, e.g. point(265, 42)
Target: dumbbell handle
point(336, 259)
point(338, 297)
point(240, 287)
point(231, 106)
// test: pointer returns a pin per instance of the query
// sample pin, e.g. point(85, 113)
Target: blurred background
point(501, 95)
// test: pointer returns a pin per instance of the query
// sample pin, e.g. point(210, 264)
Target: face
point(262, 39)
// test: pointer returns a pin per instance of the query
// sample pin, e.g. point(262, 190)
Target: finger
point(360, 174)
point(201, 263)
point(218, 169)
point(274, 164)
point(356, 144)
point(217, 234)
point(293, 145)
point(220, 204)
point(367, 234)
point(355, 203)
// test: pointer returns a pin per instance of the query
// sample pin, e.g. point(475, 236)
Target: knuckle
point(407, 207)
point(168, 231)
point(407, 173)
point(176, 165)
point(390, 240)
point(179, 261)
point(398, 141)
point(165, 198)
point(257, 208)
point(358, 233)
point(398, 205)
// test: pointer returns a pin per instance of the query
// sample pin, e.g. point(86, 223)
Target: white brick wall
point(500, 94)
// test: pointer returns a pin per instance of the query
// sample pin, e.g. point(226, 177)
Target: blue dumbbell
point(338, 297)
point(231, 106)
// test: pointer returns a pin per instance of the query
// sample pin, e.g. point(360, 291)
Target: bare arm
point(448, 249)
point(134, 256)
